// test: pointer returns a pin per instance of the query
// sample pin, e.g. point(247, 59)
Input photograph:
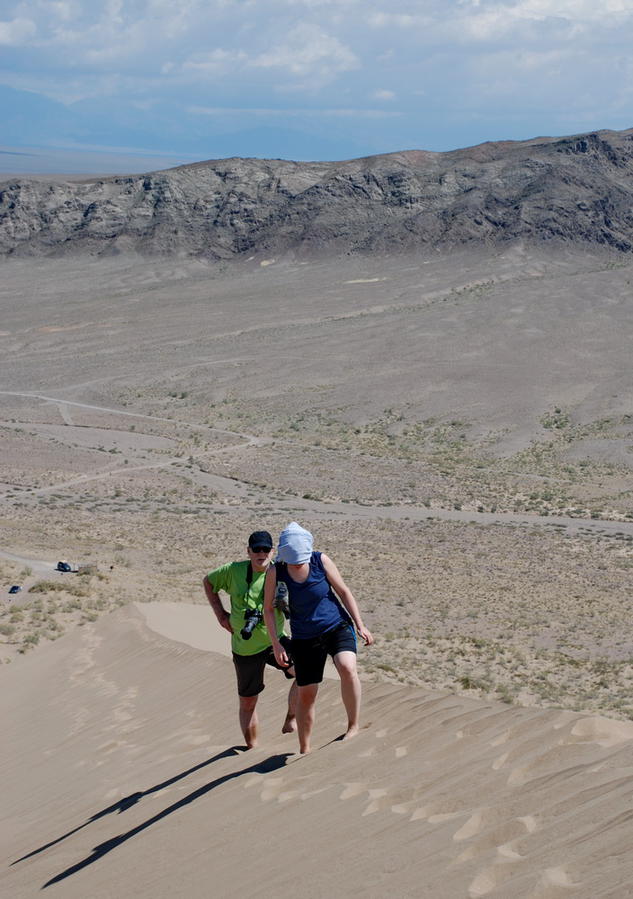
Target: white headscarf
point(295, 545)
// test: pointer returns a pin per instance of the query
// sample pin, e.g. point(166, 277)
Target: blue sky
point(121, 82)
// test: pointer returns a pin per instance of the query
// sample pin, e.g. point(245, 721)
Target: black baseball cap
point(260, 538)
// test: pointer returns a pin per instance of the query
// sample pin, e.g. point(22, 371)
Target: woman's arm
point(347, 598)
point(269, 616)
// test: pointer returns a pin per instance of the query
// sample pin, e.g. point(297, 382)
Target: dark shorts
point(250, 669)
point(309, 656)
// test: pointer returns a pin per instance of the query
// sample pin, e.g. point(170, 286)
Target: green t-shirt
point(232, 579)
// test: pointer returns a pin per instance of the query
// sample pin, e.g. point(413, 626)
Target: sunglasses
point(261, 549)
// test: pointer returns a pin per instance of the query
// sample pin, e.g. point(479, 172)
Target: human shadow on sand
point(128, 801)
point(270, 764)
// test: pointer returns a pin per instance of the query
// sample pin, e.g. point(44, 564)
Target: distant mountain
point(30, 120)
point(574, 189)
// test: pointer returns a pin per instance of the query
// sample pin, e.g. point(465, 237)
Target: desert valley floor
point(457, 432)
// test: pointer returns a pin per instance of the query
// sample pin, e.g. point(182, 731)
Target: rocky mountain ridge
point(575, 189)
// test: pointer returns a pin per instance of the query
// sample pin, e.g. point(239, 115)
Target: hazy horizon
point(312, 80)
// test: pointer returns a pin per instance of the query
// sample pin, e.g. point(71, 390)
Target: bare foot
point(251, 745)
point(305, 751)
point(290, 725)
point(352, 730)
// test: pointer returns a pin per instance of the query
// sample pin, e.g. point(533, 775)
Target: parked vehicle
point(66, 566)
point(15, 588)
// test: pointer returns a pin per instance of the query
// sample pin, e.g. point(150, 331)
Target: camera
point(252, 617)
point(281, 599)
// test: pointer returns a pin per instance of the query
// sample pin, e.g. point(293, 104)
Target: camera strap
point(249, 581)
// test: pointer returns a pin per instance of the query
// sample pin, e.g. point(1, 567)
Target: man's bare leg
point(248, 720)
point(290, 723)
point(345, 663)
point(306, 698)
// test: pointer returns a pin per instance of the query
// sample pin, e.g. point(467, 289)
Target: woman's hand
point(365, 635)
point(281, 655)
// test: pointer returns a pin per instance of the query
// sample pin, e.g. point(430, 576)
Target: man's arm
point(216, 604)
point(347, 598)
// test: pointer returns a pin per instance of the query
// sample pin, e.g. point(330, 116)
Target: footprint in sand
point(420, 814)
point(271, 788)
point(375, 796)
point(467, 855)
point(367, 752)
point(401, 751)
point(353, 789)
point(478, 822)
point(604, 732)
point(508, 852)
point(491, 877)
point(529, 822)
point(444, 816)
point(500, 740)
point(311, 793)
point(401, 809)
point(483, 883)
point(471, 828)
point(556, 877)
point(252, 781)
point(518, 777)
point(375, 804)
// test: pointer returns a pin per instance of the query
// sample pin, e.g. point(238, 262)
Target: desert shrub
point(61, 586)
point(473, 683)
point(71, 606)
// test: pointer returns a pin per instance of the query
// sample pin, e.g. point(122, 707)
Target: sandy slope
point(121, 778)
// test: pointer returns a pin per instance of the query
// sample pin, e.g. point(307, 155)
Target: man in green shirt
point(250, 641)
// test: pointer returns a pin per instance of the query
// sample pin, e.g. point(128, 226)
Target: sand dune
point(123, 776)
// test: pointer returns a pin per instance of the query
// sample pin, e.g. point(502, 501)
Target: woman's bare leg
point(306, 698)
point(345, 663)
point(290, 722)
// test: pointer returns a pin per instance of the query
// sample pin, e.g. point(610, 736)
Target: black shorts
point(310, 655)
point(250, 669)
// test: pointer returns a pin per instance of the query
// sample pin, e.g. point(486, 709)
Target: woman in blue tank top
point(320, 626)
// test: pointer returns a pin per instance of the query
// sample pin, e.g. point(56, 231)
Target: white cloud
point(62, 10)
point(484, 20)
point(422, 62)
point(221, 111)
point(308, 50)
point(382, 19)
point(216, 62)
point(575, 10)
point(318, 3)
point(16, 32)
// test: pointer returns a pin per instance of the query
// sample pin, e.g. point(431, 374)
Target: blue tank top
point(314, 609)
